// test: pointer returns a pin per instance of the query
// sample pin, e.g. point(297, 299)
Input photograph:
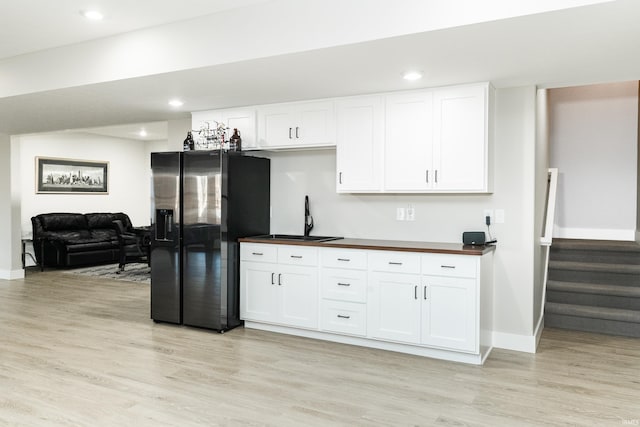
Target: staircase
point(594, 285)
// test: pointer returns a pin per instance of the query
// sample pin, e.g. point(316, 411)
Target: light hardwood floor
point(83, 352)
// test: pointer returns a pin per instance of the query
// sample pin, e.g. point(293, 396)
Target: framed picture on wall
point(62, 176)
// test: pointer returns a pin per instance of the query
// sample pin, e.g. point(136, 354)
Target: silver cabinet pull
point(257, 253)
point(344, 284)
point(415, 292)
point(290, 133)
point(272, 282)
point(296, 256)
point(340, 178)
point(427, 175)
point(297, 128)
point(447, 266)
point(343, 316)
point(425, 293)
point(436, 176)
point(344, 259)
point(394, 263)
point(279, 279)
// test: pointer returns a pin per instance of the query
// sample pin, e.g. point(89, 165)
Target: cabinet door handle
point(427, 175)
point(272, 282)
point(394, 263)
point(415, 292)
point(289, 133)
point(344, 284)
point(436, 176)
point(424, 293)
point(340, 178)
point(343, 316)
point(297, 128)
point(257, 253)
point(279, 279)
point(344, 259)
point(296, 256)
point(447, 266)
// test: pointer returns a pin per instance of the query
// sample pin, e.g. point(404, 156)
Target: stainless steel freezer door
point(166, 303)
point(204, 272)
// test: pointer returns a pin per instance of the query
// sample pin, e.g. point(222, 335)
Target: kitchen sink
point(296, 238)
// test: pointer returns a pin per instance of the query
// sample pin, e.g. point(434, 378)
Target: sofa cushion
point(89, 245)
point(69, 236)
point(63, 221)
point(100, 220)
point(103, 235)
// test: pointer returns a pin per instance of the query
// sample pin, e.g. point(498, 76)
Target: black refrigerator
point(201, 203)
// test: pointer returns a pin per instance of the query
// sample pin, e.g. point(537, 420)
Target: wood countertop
point(384, 245)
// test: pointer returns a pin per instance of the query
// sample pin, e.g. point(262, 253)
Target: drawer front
point(343, 258)
point(344, 285)
point(343, 317)
point(394, 262)
point(450, 265)
point(258, 252)
point(298, 255)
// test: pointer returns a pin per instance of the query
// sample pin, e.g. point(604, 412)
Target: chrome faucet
point(308, 219)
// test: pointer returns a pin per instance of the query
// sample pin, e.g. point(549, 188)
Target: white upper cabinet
point(243, 119)
point(359, 137)
point(423, 141)
point(296, 125)
point(408, 145)
point(460, 135)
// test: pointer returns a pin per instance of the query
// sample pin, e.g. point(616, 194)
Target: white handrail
point(547, 234)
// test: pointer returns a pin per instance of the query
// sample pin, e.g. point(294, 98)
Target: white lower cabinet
point(419, 303)
point(449, 313)
point(393, 308)
point(284, 291)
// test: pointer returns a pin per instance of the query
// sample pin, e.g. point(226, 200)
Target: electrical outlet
point(487, 213)
point(400, 214)
point(411, 213)
point(499, 216)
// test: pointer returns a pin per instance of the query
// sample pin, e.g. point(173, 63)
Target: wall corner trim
point(11, 274)
point(515, 342)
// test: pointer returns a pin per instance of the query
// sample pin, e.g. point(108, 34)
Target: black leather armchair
point(132, 248)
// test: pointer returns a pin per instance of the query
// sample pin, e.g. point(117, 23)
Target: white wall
point(439, 218)
point(128, 176)
point(593, 139)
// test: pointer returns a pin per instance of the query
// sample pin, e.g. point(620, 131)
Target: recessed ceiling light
point(142, 133)
point(176, 103)
point(412, 75)
point(92, 15)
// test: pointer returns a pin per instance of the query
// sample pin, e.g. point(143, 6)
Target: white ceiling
point(583, 45)
point(34, 25)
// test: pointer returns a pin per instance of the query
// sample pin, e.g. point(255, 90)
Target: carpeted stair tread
point(614, 314)
point(594, 267)
point(596, 245)
point(594, 288)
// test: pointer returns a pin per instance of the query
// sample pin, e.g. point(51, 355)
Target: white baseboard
point(515, 342)
point(594, 233)
point(11, 274)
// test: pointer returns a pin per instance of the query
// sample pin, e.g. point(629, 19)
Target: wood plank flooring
point(78, 351)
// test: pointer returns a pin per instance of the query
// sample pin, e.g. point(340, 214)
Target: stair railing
point(547, 233)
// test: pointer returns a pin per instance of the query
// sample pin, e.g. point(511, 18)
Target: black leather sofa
point(73, 239)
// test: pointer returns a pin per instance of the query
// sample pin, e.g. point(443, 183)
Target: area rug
point(136, 272)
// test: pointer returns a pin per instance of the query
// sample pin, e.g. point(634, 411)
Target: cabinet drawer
point(343, 258)
point(257, 252)
point(344, 285)
point(394, 262)
point(450, 265)
point(343, 317)
point(298, 255)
